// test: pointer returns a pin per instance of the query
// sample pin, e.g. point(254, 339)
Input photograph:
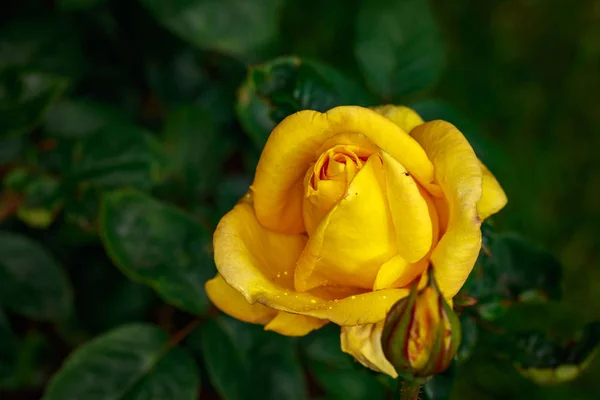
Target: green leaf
point(234, 27)
point(78, 5)
point(31, 361)
point(283, 86)
point(398, 46)
point(547, 359)
point(226, 356)
point(245, 362)
point(25, 97)
point(8, 347)
point(131, 362)
point(79, 118)
point(511, 270)
point(337, 373)
point(120, 155)
point(159, 246)
point(196, 148)
point(31, 282)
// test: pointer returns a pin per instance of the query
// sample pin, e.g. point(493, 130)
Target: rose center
point(340, 163)
point(327, 181)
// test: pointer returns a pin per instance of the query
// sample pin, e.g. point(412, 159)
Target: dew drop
point(285, 272)
point(313, 301)
point(353, 297)
point(285, 293)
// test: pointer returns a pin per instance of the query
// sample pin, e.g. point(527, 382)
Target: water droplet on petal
point(313, 301)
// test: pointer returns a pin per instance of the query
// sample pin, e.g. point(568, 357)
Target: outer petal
point(493, 198)
point(231, 302)
point(458, 172)
point(254, 260)
point(406, 118)
point(363, 342)
point(409, 211)
point(294, 324)
point(294, 144)
point(353, 239)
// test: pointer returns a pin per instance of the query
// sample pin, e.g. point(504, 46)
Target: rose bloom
point(347, 209)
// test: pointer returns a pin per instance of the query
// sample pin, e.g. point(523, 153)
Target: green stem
point(409, 390)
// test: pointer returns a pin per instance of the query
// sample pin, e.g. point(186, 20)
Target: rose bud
point(421, 334)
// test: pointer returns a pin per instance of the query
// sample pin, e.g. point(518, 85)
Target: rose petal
point(294, 324)
point(231, 302)
point(353, 239)
point(247, 256)
point(406, 118)
point(363, 342)
point(458, 172)
point(294, 145)
point(409, 211)
point(493, 198)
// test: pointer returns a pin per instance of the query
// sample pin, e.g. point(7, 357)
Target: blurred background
point(128, 128)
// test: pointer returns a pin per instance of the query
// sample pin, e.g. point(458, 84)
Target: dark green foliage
point(337, 373)
point(132, 362)
point(264, 364)
point(284, 86)
point(159, 246)
point(511, 270)
point(32, 283)
point(128, 128)
point(398, 46)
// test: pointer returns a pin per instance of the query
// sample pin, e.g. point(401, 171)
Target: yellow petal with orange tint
point(254, 261)
point(363, 342)
point(458, 172)
point(406, 118)
point(294, 144)
point(493, 198)
point(232, 303)
point(354, 239)
point(294, 324)
point(409, 211)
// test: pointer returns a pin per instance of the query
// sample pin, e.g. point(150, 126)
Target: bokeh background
point(97, 96)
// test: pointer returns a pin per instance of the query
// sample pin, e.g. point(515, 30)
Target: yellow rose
point(347, 209)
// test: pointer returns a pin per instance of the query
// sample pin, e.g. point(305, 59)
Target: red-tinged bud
point(421, 334)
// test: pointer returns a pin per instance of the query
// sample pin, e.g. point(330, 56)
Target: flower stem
point(410, 390)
